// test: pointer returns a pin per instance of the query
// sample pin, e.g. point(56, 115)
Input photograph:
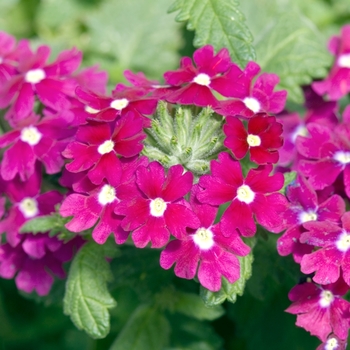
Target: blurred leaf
point(289, 177)
point(146, 329)
point(87, 298)
point(287, 44)
point(228, 290)
point(136, 35)
point(219, 23)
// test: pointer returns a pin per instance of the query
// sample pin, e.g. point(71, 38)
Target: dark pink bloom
point(36, 261)
point(305, 206)
point(8, 57)
point(124, 99)
point(320, 309)
point(36, 77)
point(158, 209)
point(99, 146)
point(251, 197)
point(262, 139)
point(337, 84)
point(195, 83)
point(333, 255)
point(96, 204)
point(328, 153)
point(251, 98)
point(26, 203)
point(34, 139)
point(205, 249)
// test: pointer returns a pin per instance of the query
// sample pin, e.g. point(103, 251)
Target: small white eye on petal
point(342, 157)
point(202, 79)
point(344, 60)
point(105, 147)
point(203, 238)
point(343, 242)
point(331, 344)
point(326, 298)
point(91, 110)
point(28, 207)
point(253, 140)
point(252, 103)
point(119, 104)
point(157, 207)
point(245, 194)
point(107, 195)
point(34, 76)
point(30, 135)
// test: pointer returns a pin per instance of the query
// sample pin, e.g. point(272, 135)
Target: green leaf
point(289, 177)
point(287, 44)
point(219, 23)
point(228, 290)
point(87, 298)
point(146, 329)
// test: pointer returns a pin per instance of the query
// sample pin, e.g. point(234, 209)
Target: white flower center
point(157, 207)
point(90, 110)
point(306, 216)
point(203, 238)
point(299, 131)
point(331, 344)
point(344, 60)
point(252, 103)
point(342, 157)
point(35, 76)
point(245, 194)
point(343, 242)
point(107, 195)
point(28, 207)
point(106, 147)
point(253, 140)
point(326, 298)
point(119, 104)
point(202, 79)
point(31, 135)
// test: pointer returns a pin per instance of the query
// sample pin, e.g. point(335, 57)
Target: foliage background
point(290, 39)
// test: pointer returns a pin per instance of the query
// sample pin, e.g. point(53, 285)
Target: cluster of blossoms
point(140, 166)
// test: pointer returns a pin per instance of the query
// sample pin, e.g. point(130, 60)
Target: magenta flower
point(95, 204)
point(321, 310)
point(8, 57)
point(36, 261)
point(250, 98)
point(333, 255)
point(336, 85)
point(305, 206)
point(333, 343)
point(26, 203)
point(34, 140)
point(250, 197)
point(158, 209)
point(124, 99)
point(205, 249)
point(328, 153)
point(195, 83)
point(99, 146)
point(38, 78)
point(262, 139)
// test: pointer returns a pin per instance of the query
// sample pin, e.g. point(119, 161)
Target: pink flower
point(336, 85)
point(26, 203)
point(333, 343)
point(253, 196)
point(158, 209)
point(95, 204)
point(195, 83)
point(305, 207)
point(263, 138)
point(38, 78)
point(36, 261)
point(99, 146)
point(205, 249)
point(333, 256)
point(34, 139)
point(321, 310)
point(251, 98)
point(123, 100)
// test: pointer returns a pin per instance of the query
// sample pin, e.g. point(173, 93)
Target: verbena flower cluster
point(193, 167)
